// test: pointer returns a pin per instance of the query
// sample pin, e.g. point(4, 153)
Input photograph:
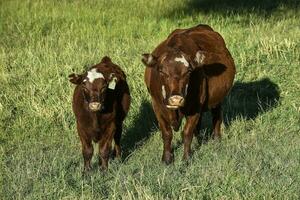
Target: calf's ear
point(112, 81)
point(149, 60)
point(75, 79)
point(105, 59)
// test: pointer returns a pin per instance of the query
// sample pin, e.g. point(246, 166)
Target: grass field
point(42, 42)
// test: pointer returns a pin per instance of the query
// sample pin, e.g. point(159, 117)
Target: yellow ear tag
point(112, 83)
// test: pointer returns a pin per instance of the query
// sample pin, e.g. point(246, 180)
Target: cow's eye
point(188, 73)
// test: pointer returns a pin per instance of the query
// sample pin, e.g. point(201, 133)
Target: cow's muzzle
point(94, 106)
point(175, 101)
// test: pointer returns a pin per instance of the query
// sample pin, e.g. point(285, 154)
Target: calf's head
point(94, 85)
point(174, 70)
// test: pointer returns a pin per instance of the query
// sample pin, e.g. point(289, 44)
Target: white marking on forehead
point(163, 91)
point(183, 60)
point(199, 58)
point(93, 74)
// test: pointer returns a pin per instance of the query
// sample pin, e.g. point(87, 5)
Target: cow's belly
point(219, 87)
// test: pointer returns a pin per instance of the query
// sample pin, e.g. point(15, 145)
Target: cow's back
point(219, 65)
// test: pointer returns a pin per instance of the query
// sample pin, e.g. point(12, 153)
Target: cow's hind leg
point(217, 120)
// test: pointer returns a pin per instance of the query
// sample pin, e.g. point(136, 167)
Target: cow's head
point(174, 70)
point(94, 85)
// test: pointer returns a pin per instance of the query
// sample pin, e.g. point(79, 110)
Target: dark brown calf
point(100, 103)
point(188, 73)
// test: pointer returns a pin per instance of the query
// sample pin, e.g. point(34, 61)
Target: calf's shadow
point(142, 126)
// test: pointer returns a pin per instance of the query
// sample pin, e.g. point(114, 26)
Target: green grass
point(42, 42)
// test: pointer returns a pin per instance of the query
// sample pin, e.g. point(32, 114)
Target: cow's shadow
point(143, 125)
point(224, 7)
point(246, 101)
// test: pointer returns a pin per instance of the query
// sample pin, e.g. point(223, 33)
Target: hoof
point(167, 158)
point(187, 156)
point(86, 171)
point(116, 155)
point(217, 136)
point(103, 168)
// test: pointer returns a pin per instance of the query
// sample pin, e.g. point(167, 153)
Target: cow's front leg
point(105, 146)
point(188, 132)
point(167, 136)
point(166, 132)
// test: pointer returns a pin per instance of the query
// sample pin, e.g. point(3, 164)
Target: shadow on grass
point(261, 7)
point(246, 100)
point(142, 126)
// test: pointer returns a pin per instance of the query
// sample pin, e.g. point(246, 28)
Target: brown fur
point(208, 82)
point(106, 124)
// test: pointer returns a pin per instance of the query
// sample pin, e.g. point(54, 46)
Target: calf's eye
point(102, 89)
point(85, 90)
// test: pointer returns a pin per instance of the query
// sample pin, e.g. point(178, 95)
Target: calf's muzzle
point(94, 106)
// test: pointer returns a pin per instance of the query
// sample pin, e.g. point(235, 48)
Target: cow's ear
point(149, 60)
point(106, 59)
point(198, 60)
point(75, 79)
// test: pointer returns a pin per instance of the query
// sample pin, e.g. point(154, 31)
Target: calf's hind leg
point(217, 120)
point(117, 139)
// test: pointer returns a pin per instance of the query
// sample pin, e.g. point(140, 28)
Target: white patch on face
point(93, 74)
point(186, 88)
point(199, 58)
point(163, 91)
point(183, 60)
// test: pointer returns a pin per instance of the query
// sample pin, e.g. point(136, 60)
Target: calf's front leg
point(87, 152)
point(105, 146)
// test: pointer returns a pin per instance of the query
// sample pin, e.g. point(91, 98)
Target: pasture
point(42, 42)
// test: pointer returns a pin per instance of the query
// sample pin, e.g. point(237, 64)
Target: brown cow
point(100, 103)
point(188, 73)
